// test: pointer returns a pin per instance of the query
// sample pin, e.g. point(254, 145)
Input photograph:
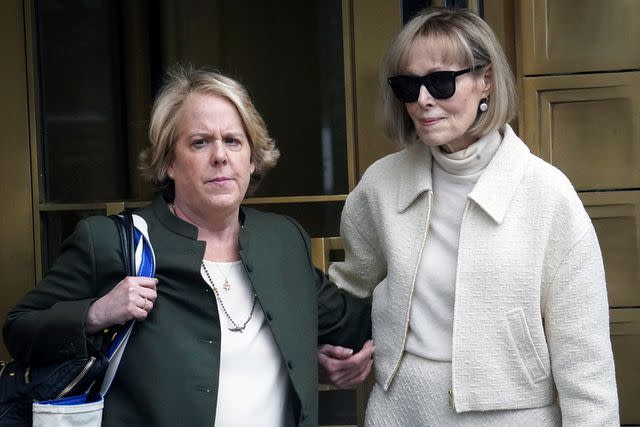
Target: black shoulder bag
point(22, 384)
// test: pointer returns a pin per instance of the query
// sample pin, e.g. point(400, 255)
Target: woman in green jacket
point(230, 324)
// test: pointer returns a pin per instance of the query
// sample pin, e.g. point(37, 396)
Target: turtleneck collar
point(470, 160)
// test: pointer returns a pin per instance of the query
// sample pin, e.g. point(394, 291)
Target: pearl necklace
point(226, 286)
point(236, 327)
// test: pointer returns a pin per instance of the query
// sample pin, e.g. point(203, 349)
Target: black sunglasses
point(440, 84)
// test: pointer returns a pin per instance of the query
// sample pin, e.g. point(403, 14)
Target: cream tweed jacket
point(531, 319)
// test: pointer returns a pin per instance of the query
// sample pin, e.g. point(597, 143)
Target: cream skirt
point(419, 394)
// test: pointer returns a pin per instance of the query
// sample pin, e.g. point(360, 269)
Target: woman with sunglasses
point(489, 295)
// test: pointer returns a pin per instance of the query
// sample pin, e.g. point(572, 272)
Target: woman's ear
point(487, 81)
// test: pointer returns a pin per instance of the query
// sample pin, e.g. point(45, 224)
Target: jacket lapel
point(499, 182)
point(415, 178)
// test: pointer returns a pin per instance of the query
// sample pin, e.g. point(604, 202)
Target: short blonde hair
point(468, 40)
point(181, 81)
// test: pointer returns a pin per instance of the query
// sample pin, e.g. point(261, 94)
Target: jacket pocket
point(524, 344)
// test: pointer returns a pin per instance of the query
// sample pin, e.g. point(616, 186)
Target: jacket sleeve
point(47, 325)
point(577, 329)
point(343, 319)
point(364, 265)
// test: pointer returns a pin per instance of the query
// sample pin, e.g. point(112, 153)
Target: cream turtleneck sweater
point(454, 175)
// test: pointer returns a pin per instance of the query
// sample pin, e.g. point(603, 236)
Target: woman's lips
point(430, 121)
point(219, 180)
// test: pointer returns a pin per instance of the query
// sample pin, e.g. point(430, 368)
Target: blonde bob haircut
point(181, 81)
point(467, 40)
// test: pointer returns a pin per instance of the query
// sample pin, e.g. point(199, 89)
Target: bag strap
point(124, 224)
point(139, 260)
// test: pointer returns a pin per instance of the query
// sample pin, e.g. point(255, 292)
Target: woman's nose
point(424, 97)
point(219, 154)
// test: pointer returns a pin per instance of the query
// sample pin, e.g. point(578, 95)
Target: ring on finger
point(145, 305)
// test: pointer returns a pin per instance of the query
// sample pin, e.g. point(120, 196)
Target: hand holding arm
point(340, 367)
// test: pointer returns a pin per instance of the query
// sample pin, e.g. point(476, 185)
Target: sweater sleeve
point(577, 329)
point(47, 325)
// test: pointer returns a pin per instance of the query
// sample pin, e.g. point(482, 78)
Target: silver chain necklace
point(235, 328)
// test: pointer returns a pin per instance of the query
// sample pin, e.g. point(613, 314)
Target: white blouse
point(253, 382)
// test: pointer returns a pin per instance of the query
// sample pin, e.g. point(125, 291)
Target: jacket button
point(269, 315)
point(289, 364)
point(249, 268)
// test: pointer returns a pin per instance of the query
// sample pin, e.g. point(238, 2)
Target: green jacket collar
point(169, 220)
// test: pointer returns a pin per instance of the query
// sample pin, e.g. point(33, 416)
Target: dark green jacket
point(169, 372)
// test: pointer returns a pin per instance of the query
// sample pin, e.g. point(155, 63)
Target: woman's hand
point(341, 368)
point(132, 298)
